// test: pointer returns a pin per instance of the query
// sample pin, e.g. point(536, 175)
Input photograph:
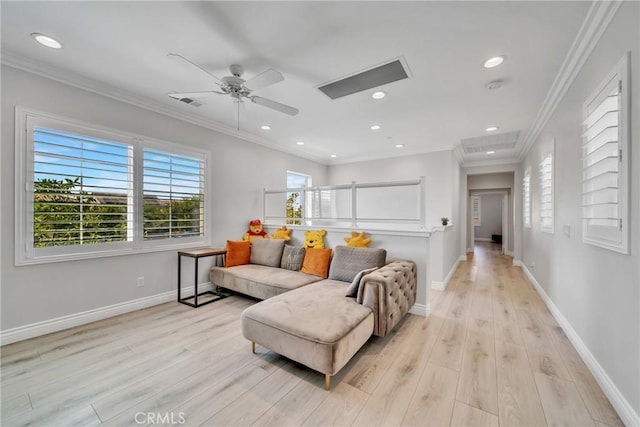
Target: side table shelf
point(196, 254)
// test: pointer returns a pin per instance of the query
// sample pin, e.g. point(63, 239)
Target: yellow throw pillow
point(316, 262)
point(238, 253)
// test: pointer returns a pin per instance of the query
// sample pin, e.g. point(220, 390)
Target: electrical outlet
point(140, 281)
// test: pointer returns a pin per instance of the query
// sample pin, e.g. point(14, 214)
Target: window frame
point(526, 198)
point(25, 253)
point(610, 237)
point(548, 205)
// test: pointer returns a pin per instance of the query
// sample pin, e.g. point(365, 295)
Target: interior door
point(505, 222)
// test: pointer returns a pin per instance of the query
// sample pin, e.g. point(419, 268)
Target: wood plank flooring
point(490, 354)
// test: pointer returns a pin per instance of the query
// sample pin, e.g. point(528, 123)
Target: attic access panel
point(374, 77)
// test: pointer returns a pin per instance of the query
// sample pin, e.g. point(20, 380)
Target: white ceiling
point(120, 48)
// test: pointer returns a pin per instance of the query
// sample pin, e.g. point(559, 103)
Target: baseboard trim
point(518, 263)
point(463, 257)
point(482, 239)
point(420, 310)
point(54, 325)
point(441, 286)
point(623, 408)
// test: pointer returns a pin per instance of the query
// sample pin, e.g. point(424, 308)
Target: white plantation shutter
point(605, 164)
point(86, 191)
point(546, 194)
point(173, 200)
point(79, 191)
point(526, 198)
point(475, 210)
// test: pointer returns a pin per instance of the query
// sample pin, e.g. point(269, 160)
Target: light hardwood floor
point(489, 354)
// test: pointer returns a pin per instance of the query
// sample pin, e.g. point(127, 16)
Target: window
point(88, 192)
point(526, 198)
point(295, 199)
point(546, 194)
point(475, 210)
point(605, 163)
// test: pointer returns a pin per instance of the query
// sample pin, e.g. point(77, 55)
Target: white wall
point(597, 291)
point(490, 216)
point(485, 180)
point(239, 171)
point(436, 167)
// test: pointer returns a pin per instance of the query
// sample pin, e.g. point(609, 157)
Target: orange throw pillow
point(316, 262)
point(238, 253)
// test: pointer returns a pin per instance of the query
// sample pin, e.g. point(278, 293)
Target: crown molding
point(595, 23)
point(11, 59)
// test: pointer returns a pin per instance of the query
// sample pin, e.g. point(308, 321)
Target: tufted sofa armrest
point(390, 292)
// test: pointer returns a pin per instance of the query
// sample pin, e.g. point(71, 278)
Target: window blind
point(526, 198)
point(605, 162)
point(81, 189)
point(173, 195)
point(546, 194)
point(601, 161)
point(475, 210)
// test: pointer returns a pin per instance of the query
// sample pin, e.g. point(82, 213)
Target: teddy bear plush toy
point(282, 233)
point(314, 239)
point(255, 231)
point(357, 240)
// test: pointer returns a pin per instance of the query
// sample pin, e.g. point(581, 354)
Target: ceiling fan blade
point(181, 95)
point(264, 79)
point(182, 58)
point(274, 105)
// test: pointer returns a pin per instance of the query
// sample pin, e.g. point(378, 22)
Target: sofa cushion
point(316, 262)
point(259, 281)
point(348, 261)
point(314, 325)
point(352, 290)
point(238, 253)
point(292, 257)
point(267, 252)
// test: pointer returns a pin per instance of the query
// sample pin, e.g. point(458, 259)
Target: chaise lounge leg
point(253, 347)
point(327, 381)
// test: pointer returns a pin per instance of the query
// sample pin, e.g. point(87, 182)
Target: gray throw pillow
point(292, 257)
point(348, 261)
point(352, 290)
point(267, 252)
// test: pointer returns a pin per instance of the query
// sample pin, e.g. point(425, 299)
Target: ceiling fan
point(239, 88)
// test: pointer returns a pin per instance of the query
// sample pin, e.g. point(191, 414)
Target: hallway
point(507, 352)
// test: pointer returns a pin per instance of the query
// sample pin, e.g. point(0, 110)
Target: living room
point(592, 289)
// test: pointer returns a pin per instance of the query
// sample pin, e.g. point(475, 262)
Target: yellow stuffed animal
point(314, 239)
point(282, 233)
point(357, 240)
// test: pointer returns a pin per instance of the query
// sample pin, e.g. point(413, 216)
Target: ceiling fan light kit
point(238, 88)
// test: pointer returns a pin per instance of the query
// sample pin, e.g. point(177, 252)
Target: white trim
point(621, 405)
point(441, 286)
point(596, 22)
point(518, 263)
point(482, 239)
point(420, 310)
point(65, 322)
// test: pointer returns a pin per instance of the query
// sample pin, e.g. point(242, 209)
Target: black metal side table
point(196, 254)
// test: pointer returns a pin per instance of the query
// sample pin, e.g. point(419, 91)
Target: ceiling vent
point(373, 77)
point(497, 142)
point(189, 101)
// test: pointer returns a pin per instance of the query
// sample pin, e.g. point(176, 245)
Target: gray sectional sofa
point(320, 322)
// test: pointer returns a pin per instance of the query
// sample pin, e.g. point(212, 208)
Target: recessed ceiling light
point(375, 127)
point(333, 156)
point(47, 41)
point(492, 128)
point(491, 152)
point(378, 95)
point(493, 62)
point(399, 145)
point(300, 142)
point(265, 127)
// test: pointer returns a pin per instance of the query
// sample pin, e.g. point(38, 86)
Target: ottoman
point(315, 325)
